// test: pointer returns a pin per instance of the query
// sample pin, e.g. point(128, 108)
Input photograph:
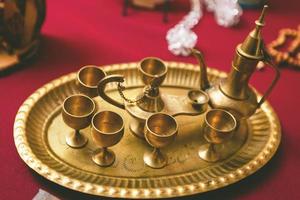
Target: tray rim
point(35, 164)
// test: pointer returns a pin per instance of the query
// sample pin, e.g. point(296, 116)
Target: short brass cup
point(198, 99)
point(107, 130)
point(77, 112)
point(219, 126)
point(88, 78)
point(153, 71)
point(160, 130)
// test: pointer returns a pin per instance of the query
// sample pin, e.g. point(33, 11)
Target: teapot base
point(137, 128)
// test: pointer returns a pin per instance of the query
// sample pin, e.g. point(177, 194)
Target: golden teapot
point(234, 92)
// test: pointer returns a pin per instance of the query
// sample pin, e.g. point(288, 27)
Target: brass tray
point(39, 137)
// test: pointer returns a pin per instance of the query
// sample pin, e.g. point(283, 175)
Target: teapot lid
point(252, 45)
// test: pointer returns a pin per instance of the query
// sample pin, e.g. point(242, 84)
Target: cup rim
point(162, 136)
point(79, 116)
point(153, 58)
point(85, 67)
point(107, 133)
point(219, 130)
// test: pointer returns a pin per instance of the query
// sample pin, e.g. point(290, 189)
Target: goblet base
point(155, 159)
point(207, 152)
point(76, 140)
point(103, 157)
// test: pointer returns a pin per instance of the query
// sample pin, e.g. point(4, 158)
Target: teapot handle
point(268, 60)
point(102, 85)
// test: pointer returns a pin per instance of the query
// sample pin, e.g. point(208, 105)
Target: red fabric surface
point(81, 32)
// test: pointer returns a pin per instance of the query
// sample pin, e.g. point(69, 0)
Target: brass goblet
point(160, 130)
point(219, 126)
point(77, 112)
point(153, 71)
point(107, 130)
point(88, 78)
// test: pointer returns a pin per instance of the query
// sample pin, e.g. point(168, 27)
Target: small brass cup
point(77, 112)
point(219, 126)
point(199, 99)
point(153, 71)
point(88, 78)
point(107, 130)
point(160, 130)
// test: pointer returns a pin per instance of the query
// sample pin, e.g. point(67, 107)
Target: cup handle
point(268, 60)
point(102, 85)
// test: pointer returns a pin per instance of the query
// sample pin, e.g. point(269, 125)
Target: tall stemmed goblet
point(153, 71)
point(77, 112)
point(107, 130)
point(219, 126)
point(88, 78)
point(160, 130)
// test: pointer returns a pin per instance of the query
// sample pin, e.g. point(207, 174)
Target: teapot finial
point(261, 20)
point(252, 45)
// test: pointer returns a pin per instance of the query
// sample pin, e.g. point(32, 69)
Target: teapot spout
point(204, 84)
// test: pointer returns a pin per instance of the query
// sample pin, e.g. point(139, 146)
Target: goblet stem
point(156, 153)
point(105, 154)
point(77, 134)
point(208, 153)
point(155, 159)
point(103, 157)
point(211, 148)
point(76, 140)
point(153, 90)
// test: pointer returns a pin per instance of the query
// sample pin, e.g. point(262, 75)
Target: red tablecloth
point(77, 33)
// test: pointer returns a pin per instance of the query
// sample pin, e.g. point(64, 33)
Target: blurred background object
point(252, 3)
point(148, 4)
point(20, 24)
point(285, 49)
point(227, 12)
point(181, 38)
